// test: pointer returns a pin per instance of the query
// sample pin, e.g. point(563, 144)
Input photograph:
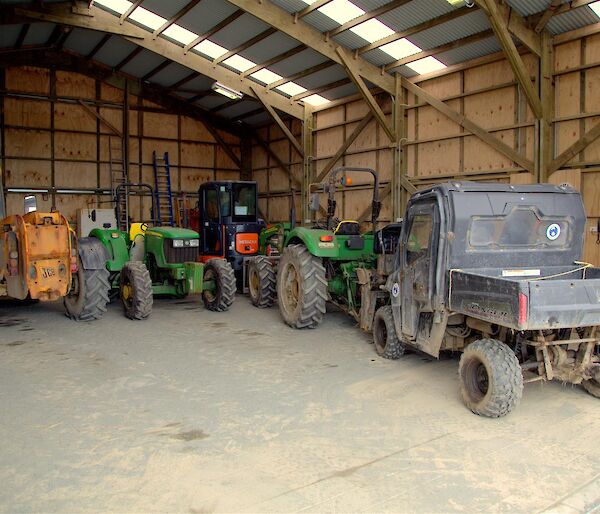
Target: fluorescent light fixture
point(341, 11)
point(315, 100)
point(179, 34)
point(400, 49)
point(211, 49)
point(266, 76)
point(226, 91)
point(456, 2)
point(426, 65)
point(119, 6)
point(147, 18)
point(237, 62)
point(596, 8)
point(372, 30)
point(291, 88)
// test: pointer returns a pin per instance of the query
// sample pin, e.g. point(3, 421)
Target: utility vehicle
point(40, 259)
point(493, 271)
point(148, 260)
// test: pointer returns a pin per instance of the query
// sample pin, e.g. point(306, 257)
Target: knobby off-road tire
point(87, 299)
point(136, 290)
point(223, 296)
point(262, 282)
point(387, 344)
point(491, 380)
point(592, 386)
point(301, 287)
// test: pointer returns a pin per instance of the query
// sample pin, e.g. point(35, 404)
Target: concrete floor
point(193, 411)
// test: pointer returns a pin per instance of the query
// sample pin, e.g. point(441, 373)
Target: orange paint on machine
point(246, 243)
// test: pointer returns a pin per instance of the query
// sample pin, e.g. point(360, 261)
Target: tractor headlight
point(195, 243)
point(177, 243)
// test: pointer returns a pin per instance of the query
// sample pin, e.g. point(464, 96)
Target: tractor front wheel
point(262, 281)
point(301, 287)
point(491, 378)
point(387, 344)
point(221, 293)
point(88, 295)
point(136, 290)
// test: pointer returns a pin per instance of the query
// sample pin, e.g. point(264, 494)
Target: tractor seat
point(347, 228)
point(137, 251)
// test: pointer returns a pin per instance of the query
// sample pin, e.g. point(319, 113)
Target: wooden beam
point(322, 89)
point(245, 45)
point(572, 5)
point(301, 74)
point(469, 125)
point(98, 46)
point(548, 13)
point(390, 6)
point(135, 4)
point(22, 35)
point(512, 54)
point(366, 94)
point(578, 146)
point(275, 16)
point(157, 69)
point(129, 57)
point(275, 60)
point(547, 94)
point(588, 30)
point(519, 27)
point(277, 119)
point(186, 8)
point(345, 145)
point(96, 115)
point(231, 18)
point(184, 80)
point(310, 8)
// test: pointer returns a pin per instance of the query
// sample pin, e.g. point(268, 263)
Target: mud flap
point(93, 253)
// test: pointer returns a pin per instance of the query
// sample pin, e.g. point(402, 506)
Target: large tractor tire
point(262, 282)
point(387, 344)
point(136, 290)
point(221, 298)
point(592, 386)
point(88, 296)
point(301, 287)
point(491, 379)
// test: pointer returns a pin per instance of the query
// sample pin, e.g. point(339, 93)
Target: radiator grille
point(179, 255)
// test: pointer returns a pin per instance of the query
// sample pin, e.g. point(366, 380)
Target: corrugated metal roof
point(258, 119)
point(38, 34)
point(290, 6)
point(206, 15)
point(415, 12)
point(83, 41)
point(142, 63)
point(174, 73)
point(572, 20)
point(212, 101)
point(9, 35)
point(239, 108)
point(350, 40)
point(269, 47)
point(471, 51)
point(302, 61)
point(322, 77)
point(165, 9)
point(114, 51)
point(321, 22)
point(239, 31)
point(453, 30)
point(340, 92)
point(528, 7)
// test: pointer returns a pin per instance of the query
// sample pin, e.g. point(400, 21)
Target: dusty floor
point(196, 412)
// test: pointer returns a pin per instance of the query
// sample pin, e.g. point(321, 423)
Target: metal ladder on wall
point(118, 176)
point(162, 190)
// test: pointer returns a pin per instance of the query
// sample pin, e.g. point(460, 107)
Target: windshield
point(244, 201)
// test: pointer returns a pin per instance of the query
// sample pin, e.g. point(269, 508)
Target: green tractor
point(330, 261)
point(145, 261)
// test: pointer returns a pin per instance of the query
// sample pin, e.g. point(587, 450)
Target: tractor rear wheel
point(136, 290)
point(88, 296)
point(301, 287)
point(491, 379)
point(220, 297)
point(262, 281)
point(592, 386)
point(387, 344)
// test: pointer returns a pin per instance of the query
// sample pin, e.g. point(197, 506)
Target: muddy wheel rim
point(210, 296)
point(381, 339)
point(291, 288)
point(253, 282)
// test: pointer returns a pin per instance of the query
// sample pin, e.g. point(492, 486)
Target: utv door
point(418, 264)
point(211, 228)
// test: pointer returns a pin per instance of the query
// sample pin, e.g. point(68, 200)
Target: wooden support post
point(246, 149)
point(512, 54)
point(546, 127)
point(399, 162)
point(2, 144)
point(125, 132)
point(469, 125)
point(308, 168)
point(95, 114)
point(277, 119)
point(364, 91)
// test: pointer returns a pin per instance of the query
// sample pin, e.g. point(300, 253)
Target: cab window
point(419, 237)
point(244, 198)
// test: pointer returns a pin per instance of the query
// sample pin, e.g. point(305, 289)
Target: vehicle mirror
point(30, 204)
point(93, 216)
point(314, 202)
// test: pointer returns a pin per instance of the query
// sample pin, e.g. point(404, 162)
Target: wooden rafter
point(390, 6)
point(322, 89)
point(277, 119)
point(22, 35)
point(275, 60)
point(512, 54)
point(547, 16)
point(98, 46)
point(214, 30)
point(129, 57)
point(157, 69)
point(469, 125)
point(301, 74)
point(186, 8)
point(311, 8)
point(134, 5)
point(246, 44)
point(366, 94)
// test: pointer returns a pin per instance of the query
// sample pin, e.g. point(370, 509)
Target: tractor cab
point(229, 223)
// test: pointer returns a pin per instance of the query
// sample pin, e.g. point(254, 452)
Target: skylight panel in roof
point(341, 11)
point(119, 6)
point(147, 18)
point(596, 8)
point(211, 49)
point(237, 62)
point(315, 100)
point(291, 88)
point(266, 76)
point(372, 30)
point(426, 65)
point(179, 34)
point(400, 49)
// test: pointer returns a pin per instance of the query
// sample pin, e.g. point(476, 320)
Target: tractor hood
point(172, 233)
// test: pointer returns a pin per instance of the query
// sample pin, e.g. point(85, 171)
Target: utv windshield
point(244, 202)
point(522, 228)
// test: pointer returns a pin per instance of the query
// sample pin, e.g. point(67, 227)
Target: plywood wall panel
point(27, 143)
point(224, 161)
point(73, 117)
point(26, 113)
point(197, 154)
point(75, 175)
point(366, 140)
point(191, 179)
point(28, 79)
point(361, 160)
point(259, 157)
point(195, 130)
point(592, 152)
point(75, 85)
point(444, 86)
point(26, 173)
point(567, 132)
point(160, 146)
point(591, 193)
point(567, 56)
point(112, 94)
point(75, 146)
point(568, 94)
point(488, 75)
point(160, 125)
point(262, 180)
point(227, 175)
point(114, 117)
point(356, 110)
point(329, 117)
point(15, 203)
point(493, 109)
point(279, 180)
point(439, 157)
point(481, 157)
point(327, 142)
point(432, 123)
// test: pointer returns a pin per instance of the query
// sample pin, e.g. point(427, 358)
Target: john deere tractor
point(147, 260)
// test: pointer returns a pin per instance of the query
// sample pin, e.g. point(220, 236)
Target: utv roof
point(491, 187)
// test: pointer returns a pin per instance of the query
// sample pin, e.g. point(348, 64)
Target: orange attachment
point(246, 243)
